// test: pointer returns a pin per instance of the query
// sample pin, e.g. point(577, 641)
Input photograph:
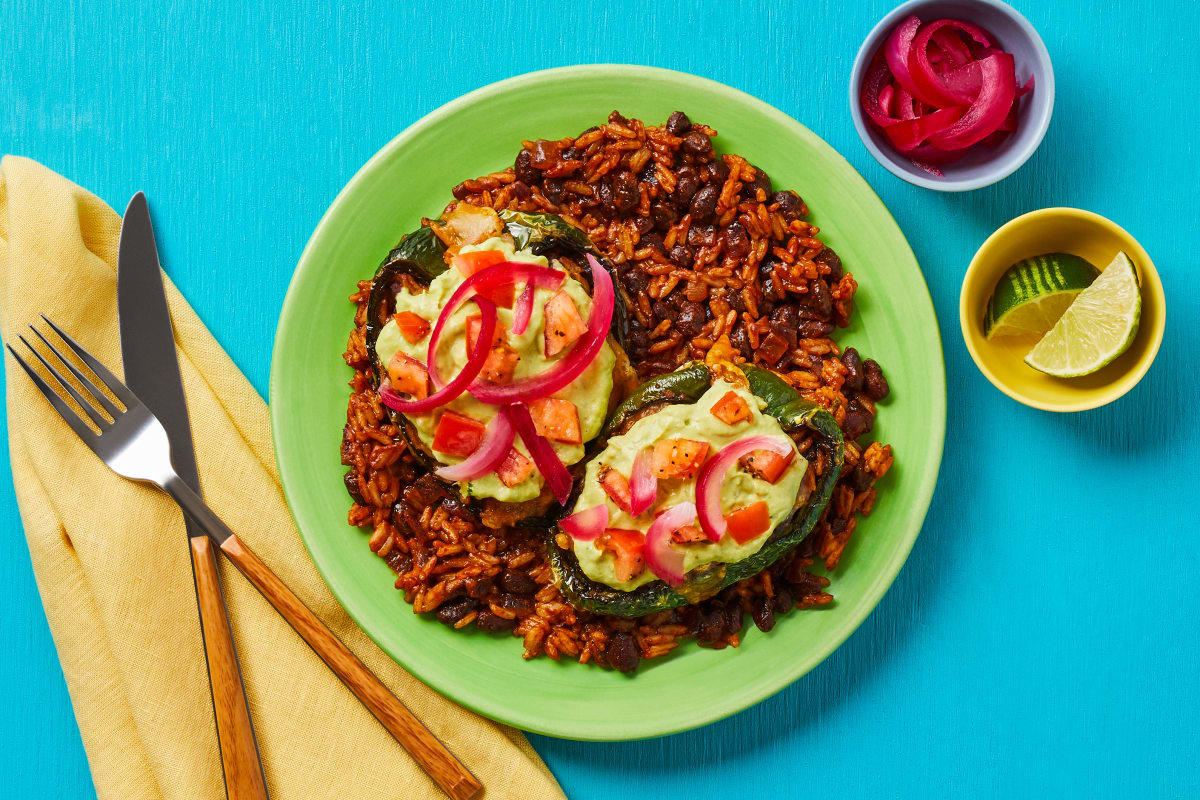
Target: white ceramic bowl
point(984, 165)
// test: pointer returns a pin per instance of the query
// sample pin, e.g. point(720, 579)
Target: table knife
point(152, 372)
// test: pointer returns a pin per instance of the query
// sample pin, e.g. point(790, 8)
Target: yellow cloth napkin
point(113, 570)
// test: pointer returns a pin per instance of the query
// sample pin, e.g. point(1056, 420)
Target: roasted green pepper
point(686, 385)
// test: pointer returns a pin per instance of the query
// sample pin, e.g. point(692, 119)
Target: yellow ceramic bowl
point(1066, 230)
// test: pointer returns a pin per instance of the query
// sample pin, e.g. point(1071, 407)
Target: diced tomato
point(470, 263)
point(502, 361)
point(514, 468)
point(412, 325)
point(563, 323)
point(457, 434)
point(748, 522)
point(556, 419)
point(502, 296)
point(731, 409)
point(616, 486)
point(628, 549)
point(409, 376)
point(677, 458)
point(688, 534)
point(765, 464)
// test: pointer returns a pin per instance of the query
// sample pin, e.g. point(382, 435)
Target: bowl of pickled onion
point(952, 95)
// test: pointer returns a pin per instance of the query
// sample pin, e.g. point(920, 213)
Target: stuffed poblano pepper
point(698, 481)
point(496, 341)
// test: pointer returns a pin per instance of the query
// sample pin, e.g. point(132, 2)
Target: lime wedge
point(1098, 327)
point(1033, 293)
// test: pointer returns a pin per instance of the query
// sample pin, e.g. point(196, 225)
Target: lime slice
point(1033, 293)
point(1098, 327)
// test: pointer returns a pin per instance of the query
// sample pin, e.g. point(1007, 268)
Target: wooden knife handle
point(441, 765)
point(239, 751)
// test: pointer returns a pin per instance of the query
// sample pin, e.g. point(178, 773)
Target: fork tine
point(115, 386)
point(87, 383)
point(85, 404)
point(65, 411)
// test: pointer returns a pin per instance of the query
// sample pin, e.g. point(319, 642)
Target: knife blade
point(148, 340)
point(152, 372)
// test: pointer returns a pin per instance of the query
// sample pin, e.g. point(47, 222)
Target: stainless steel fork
point(133, 443)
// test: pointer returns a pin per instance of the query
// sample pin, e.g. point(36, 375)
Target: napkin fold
point(115, 579)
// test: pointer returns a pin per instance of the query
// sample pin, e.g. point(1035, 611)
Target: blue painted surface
point(1042, 639)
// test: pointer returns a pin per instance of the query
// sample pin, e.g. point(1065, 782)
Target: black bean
point(352, 487)
point(819, 298)
point(678, 123)
point(702, 235)
point(625, 191)
point(813, 329)
point(521, 190)
point(622, 652)
point(617, 118)
point(761, 181)
point(784, 600)
point(637, 281)
point(452, 611)
point(712, 626)
point(862, 478)
point(705, 202)
point(854, 370)
point(552, 188)
point(523, 170)
point(517, 582)
point(716, 172)
point(876, 385)
point(663, 310)
point(735, 300)
point(654, 240)
point(764, 614)
point(831, 260)
point(638, 339)
point(681, 255)
point(489, 621)
point(572, 153)
point(789, 202)
point(686, 184)
point(691, 318)
point(605, 196)
point(643, 225)
point(858, 421)
point(480, 588)
point(737, 242)
point(649, 175)
point(664, 215)
point(697, 144)
point(733, 618)
point(521, 603)
point(741, 341)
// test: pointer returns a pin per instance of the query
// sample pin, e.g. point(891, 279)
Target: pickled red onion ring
point(663, 560)
point(497, 441)
point(573, 363)
point(456, 386)
point(586, 525)
point(712, 475)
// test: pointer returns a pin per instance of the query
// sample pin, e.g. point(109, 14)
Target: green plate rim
point(864, 602)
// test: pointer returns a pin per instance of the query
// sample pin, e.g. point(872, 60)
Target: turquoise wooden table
point(1042, 639)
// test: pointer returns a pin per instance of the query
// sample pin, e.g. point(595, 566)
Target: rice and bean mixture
point(710, 255)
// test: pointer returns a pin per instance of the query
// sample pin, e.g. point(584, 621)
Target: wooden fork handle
point(239, 751)
point(441, 765)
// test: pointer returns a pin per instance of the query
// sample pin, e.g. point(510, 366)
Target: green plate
point(412, 176)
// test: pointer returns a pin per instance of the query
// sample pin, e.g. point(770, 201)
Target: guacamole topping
point(694, 422)
point(589, 393)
